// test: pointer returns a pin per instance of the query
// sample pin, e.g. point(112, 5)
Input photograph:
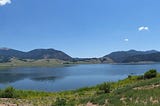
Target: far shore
point(52, 63)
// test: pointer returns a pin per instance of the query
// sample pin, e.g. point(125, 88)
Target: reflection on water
point(49, 78)
point(65, 78)
point(10, 78)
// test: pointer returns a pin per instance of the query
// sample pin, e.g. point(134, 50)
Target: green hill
point(133, 56)
point(35, 54)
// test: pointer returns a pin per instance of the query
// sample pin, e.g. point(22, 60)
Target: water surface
point(70, 77)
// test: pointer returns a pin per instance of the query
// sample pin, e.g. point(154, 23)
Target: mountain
point(152, 57)
point(11, 52)
point(47, 54)
point(122, 56)
point(4, 59)
point(6, 53)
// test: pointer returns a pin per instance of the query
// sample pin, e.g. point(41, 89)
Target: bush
point(9, 92)
point(105, 87)
point(150, 74)
point(59, 102)
point(129, 76)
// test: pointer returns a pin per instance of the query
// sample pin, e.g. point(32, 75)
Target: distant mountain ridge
point(47, 54)
point(152, 57)
point(34, 54)
point(11, 52)
point(131, 56)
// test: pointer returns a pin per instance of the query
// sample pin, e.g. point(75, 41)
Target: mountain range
point(6, 54)
point(134, 56)
point(130, 56)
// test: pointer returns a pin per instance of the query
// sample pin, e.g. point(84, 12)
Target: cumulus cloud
point(143, 28)
point(126, 40)
point(4, 2)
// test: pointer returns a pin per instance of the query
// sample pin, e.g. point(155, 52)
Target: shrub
point(129, 76)
point(150, 74)
point(59, 102)
point(9, 92)
point(105, 87)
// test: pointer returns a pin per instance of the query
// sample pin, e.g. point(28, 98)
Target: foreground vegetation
point(140, 90)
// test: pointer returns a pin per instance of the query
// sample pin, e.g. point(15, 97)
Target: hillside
point(153, 57)
point(13, 62)
point(4, 59)
point(47, 54)
point(6, 53)
point(11, 52)
point(131, 55)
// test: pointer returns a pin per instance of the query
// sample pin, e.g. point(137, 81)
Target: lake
point(69, 77)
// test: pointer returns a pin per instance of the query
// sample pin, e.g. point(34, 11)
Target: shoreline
point(44, 64)
point(118, 91)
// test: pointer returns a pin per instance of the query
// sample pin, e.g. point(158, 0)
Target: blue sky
point(81, 28)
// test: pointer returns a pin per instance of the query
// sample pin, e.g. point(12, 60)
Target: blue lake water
point(68, 78)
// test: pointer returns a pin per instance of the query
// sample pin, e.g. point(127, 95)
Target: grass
point(42, 62)
point(131, 91)
point(33, 63)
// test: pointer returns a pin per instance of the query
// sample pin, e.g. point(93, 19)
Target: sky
point(80, 28)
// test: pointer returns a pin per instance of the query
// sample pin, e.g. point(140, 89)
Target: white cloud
point(143, 28)
point(126, 40)
point(4, 2)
